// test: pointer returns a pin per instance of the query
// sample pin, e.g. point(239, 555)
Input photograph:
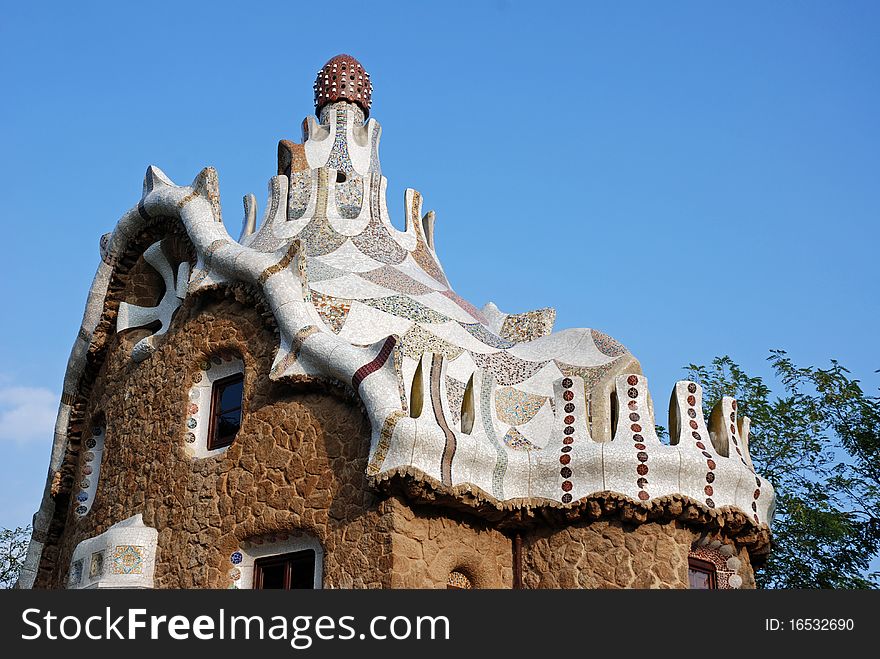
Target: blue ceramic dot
point(192, 423)
point(81, 510)
point(236, 558)
point(82, 497)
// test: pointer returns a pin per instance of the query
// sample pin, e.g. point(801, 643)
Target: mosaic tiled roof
point(465, 397)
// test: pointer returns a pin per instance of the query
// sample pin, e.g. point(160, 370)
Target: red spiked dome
point(343, 79)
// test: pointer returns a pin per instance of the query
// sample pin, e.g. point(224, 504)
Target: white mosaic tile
point(349, 258)
point(539, 428)
point(445, 306)
point(368, 325)
point(124, 556)
point(90, 470)
point(197, 415)
point(494, 317)
point(412, 269)
point(372, 282)
point(351, 286)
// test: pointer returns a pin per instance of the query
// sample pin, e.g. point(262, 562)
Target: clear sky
point(692, 178)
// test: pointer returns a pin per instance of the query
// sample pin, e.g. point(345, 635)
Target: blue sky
point(692, 178)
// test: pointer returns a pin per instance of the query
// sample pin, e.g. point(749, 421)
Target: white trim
point(201, 395)
point(250, 552)
point(130, 535)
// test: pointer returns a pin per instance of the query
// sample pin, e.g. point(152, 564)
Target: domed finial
point(343, 79)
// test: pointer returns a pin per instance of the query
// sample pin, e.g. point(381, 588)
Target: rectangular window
point(701, 574)
point(226, 401)
point(285, 572)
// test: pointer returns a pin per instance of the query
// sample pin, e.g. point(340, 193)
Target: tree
point(13, 548)
point(818, 443)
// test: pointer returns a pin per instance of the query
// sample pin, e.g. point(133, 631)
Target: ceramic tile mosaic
point(96, 565)
point(319, 271)
point(516, 441)
point(418, 341)
point(726, 564)
point(384, 301)
point(385, 352)
point(450, 443)
point(394, 279)
point(458, 580)
point(351, 286)
point(127, 559)
point(405, 307)
point(487, 384)
point(381, 447)
point(590, 374)
point(466, 306)
point(528, 326)
point(121, 557)
point(455, 395)
point(507, 370)
point(76, 574)
point(130, 316)
point(699, 477)
point(265, 240)
point(350, 197)
point(333, 310)
point(607, 345)
point(569, 393)
point(319, 238)
point(374, 240)
point(90, 470)
point(339, 158)
point(299, 194)
point(516, 407)
point(425, 258)
point(482, 334)
point(375, 165)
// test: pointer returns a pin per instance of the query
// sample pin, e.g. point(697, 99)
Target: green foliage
point(13, 548)
point(818, 443)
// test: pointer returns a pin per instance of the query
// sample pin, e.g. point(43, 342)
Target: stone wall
point(613, 554)
point(429, 543)
point(298, 462)
point(298, 466)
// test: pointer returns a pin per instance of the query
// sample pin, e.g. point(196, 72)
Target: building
point(313, 405)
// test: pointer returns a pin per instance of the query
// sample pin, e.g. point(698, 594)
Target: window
point(90, 469)
point(285, 572)
point(279, 559)
point(458, 581)
point(226, 398)
point(701, 574)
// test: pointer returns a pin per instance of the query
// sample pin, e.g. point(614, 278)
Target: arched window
point(226, 399)
point(90, 469)
point(215, 406)
point(701, 574)
point(458, 581)
point(714, 564)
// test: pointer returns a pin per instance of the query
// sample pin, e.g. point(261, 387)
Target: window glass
point(226, 401)
point(230, 398)
point(701, 575)
point(285, 572)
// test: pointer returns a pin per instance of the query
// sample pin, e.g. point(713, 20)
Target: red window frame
point(306, 558)
point(705, 567)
